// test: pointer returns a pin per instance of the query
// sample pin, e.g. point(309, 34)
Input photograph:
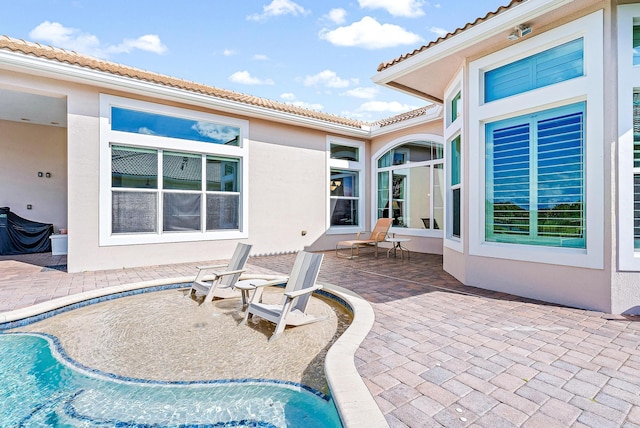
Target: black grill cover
point(21, 236)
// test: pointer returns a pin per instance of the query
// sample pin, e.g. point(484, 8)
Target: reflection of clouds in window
point(218, 133)
point(146, 131)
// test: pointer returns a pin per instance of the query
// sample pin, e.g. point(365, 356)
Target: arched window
point(410, 185)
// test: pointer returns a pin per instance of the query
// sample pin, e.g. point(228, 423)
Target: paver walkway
point(439, 354)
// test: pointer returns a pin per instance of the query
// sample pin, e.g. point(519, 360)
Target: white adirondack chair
point(297, 293)
point(220, 280)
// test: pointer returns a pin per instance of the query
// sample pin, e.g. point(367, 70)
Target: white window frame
point(108, 137)
point(355, 166)
point(628, 81)
point(431, 233)
point(589, 88)
point(454, 129)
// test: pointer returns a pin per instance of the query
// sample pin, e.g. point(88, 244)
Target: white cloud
point(328, 79)
point(148, 42)
point(277, 8)
point(58, 35)
point(370, 34)
point(440, 32)
point(366, 93)
point(404, 8)
point(337, 16)
point(260, 57)
point(245, 78)
point(228, 52)
point(216, 132)
point(392, 107)
point(291, 99)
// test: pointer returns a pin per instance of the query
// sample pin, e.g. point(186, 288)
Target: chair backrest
point(238, 260)
point(381, 229)
point(303, 275)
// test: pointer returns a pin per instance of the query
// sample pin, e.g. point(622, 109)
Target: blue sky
point(317, 54)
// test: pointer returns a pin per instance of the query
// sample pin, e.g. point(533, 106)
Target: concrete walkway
point(440, 354)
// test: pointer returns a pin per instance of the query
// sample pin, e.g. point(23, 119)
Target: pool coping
point(352, 398)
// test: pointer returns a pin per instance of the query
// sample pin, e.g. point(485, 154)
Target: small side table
point(397, 245)
point(246, 286)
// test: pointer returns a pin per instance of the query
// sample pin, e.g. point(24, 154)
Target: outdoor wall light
point(520, 31)
point(39, 174)
point(48, 175)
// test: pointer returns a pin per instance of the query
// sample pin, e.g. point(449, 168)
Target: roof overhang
point(426, 74)
point(36, 66)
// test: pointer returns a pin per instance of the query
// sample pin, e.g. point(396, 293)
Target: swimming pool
point(137, 359)
point(40, 387)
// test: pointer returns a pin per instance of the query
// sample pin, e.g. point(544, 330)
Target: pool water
point(39, 388)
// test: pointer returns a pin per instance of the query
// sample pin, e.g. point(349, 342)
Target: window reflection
point(141, 122)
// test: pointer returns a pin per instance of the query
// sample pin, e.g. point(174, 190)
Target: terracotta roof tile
point(75, 59)
point(422, 111)
point(459, 30)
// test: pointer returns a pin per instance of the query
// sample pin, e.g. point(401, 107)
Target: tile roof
point(75, 59)
point(422, 111)
point(459, 30)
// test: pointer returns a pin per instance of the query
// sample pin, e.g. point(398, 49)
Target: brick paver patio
point(440, 353)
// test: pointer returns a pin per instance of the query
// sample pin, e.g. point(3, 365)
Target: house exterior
point(144, 169)
point(541, 139)
point(523, 173)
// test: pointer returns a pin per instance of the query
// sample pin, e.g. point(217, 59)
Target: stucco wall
point(286, 195)
point(26, 150)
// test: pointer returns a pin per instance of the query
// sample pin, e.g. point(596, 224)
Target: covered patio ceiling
point(32, 108)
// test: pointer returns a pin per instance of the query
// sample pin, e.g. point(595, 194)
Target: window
point(456, 107)
point(345, 195)
point(455, 166)
point(636, 169)
point(410, 185)
point(535, 179)
point(142, 122)
point(636, 44)
point(345, 185)
point(554, 65)
point(170, 174)
point(549, 216)
point(140, 196)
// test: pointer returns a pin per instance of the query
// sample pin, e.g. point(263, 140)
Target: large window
point(170, 175)
point(410, 185)
point(144, 201)
point(535, 184)
point(551, 66)
point(345, 185)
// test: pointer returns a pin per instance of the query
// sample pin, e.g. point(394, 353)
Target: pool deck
point(439, 353)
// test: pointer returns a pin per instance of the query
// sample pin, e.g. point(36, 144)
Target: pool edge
point(352, 398)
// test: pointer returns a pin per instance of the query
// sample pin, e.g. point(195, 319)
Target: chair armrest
point(360, 233)
point(274, 282)
point(211, 267)
point(227, 272)
point(293, 294)
point(378, 238)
